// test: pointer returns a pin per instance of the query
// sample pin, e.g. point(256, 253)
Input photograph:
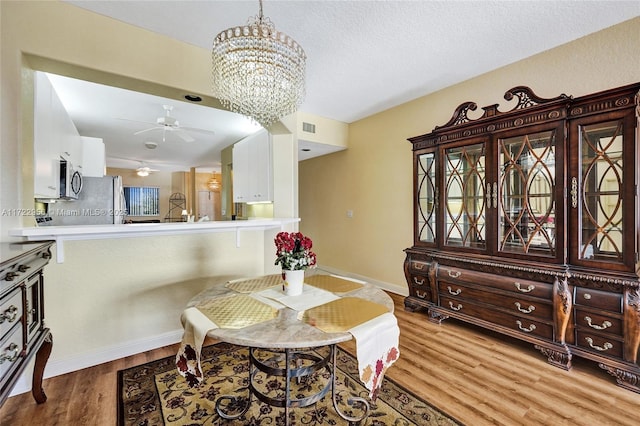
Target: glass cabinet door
point(597, 192)
point(464, 206)
point(527, 183)
point(427, 194)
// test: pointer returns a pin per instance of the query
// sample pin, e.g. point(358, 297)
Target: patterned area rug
point(155, 394)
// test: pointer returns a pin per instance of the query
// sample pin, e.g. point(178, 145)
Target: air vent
point(308, 127)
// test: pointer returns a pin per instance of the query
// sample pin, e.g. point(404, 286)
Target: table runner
point(374, 328)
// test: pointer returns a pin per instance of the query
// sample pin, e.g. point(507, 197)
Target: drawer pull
point(23, 268)
point(528, 310)
point(9, 314)
point(455, 293)
point(454, 274)
point(6, 356)
point(415, 280)
point(587, 296)
point(524, 290)
point(421, 295)
point(602, 348)
point(526, 330)
point(455, 308)
point(605, 324)
point(10, 276)
point(418, 266)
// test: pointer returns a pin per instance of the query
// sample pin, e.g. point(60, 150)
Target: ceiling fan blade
point(184, 136)
point(137, 121)
point(146, 130)
point(194, 129)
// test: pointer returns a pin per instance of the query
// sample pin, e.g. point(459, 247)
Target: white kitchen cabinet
point(55, 137)
point(70, 143)
point(252, 169)
point(93, 157)
point(46, 141)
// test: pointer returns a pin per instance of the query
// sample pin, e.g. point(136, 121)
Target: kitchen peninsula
point(91, 232)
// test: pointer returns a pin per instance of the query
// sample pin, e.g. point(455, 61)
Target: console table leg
point(42, 356)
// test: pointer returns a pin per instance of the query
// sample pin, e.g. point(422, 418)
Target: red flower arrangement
point(293, 251)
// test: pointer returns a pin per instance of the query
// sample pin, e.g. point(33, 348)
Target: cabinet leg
point(42, 356)
point(437, 317)
point(625, 379)
point(560, 359)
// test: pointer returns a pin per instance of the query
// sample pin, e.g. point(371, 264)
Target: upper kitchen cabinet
point(55, 138)
point(252, 169)
point(46, 143)
point(65, 130)
point(527, 222)
point(93, 157)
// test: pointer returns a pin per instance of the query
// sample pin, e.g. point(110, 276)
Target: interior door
point(206, 205)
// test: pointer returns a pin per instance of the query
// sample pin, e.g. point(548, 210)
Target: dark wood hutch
point(527, 222)
point(23, 333)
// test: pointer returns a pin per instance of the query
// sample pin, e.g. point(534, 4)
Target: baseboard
point(90, 359)
point(403, 291)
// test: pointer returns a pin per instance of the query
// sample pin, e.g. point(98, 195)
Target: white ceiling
point(363, 56)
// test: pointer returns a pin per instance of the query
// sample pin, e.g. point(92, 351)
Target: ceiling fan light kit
point(257, 71)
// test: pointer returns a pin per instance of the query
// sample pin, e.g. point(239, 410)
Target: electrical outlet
point(349, 213)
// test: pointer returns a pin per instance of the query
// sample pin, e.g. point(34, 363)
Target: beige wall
point(373, 177)
point(117, 296)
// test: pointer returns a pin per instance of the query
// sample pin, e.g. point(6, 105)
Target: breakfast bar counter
point(90, 232)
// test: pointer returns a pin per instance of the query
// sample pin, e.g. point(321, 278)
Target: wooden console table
point(22, 331)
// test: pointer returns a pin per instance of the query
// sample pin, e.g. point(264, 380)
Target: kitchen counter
point(90, 232)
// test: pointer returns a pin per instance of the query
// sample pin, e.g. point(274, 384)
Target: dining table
point(292, 338)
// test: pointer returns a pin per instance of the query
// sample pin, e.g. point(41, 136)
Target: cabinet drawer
point(419, 265)
point(530, 288)
point(599, 344)
point(10, 311)
point(599, 299)
point(11, 274)
point(518, 305)
point(419, 286)
point(10, 351)
point(595, 322)
point(521, 324)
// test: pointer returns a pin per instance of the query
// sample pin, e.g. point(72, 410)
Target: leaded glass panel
point(601, 165)
point(465, 208)
point(427, 198)
point(527, 211)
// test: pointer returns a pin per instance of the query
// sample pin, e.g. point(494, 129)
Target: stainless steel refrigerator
point(101, 201)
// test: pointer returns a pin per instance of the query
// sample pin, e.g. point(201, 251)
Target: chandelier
point(213, 183)
point(258, 71)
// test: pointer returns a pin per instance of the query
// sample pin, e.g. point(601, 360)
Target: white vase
point(293, 282)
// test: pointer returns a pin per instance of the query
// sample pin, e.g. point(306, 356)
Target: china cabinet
point(23, 334)
point(526, 222)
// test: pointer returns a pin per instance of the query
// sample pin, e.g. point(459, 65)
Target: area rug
point(154, 394)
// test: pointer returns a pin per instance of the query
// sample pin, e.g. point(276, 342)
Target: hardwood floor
point(479, 377)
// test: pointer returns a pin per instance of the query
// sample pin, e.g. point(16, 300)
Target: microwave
point(70, 181)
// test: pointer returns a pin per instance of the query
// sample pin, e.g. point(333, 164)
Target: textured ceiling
point(368, 56)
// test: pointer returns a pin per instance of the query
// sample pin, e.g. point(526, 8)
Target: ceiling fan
point(167, 123)
point(143, 171)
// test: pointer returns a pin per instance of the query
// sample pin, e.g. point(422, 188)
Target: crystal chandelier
point(258, 71)
point(213, 183)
